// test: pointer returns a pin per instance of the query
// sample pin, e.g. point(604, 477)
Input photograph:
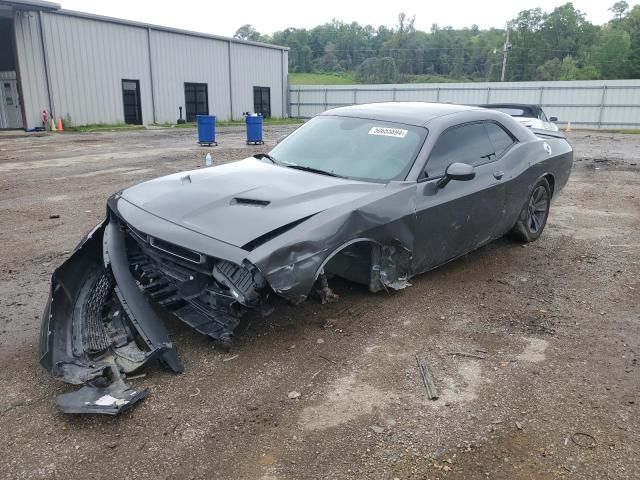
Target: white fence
point(586, 104)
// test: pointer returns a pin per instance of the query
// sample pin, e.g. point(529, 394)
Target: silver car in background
point(531, 116)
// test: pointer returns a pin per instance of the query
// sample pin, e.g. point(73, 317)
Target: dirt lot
point(554, 396)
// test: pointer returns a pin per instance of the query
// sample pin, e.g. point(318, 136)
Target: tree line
point(557, 45)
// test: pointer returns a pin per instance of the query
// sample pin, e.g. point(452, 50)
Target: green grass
point(433, 79)
point(96, 127)
point(348, 78)
point(338, 78)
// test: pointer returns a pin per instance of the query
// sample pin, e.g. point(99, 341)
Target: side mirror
point(553, 119)
point(457, 171)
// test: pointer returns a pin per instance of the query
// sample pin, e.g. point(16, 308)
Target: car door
point(463, 215)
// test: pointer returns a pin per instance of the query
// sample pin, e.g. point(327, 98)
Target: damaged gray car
point(374, 194)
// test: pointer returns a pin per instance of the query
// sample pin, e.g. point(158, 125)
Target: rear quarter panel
point(530, 161)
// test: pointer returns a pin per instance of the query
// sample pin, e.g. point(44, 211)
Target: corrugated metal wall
point(87, 62)
point(586, 104)
point(178, 59)
point(88, 57)
point(256, 67)
point(32, 69)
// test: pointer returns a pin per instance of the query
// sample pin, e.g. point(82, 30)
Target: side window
point(466, 143)
point(500, 139)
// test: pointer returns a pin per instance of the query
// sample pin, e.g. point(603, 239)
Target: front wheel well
point(352, 261)
point(551, 181)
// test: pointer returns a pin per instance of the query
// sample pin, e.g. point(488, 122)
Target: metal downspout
point(45, 57)
point(153, 96)
point(230, 83)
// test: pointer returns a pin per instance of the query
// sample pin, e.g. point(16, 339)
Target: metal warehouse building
point(93, 69)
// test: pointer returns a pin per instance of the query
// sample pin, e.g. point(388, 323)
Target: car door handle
point(498, 175)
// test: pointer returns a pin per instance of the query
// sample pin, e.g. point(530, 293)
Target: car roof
point(410, 113)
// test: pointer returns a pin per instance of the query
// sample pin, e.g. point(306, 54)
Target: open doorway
point(10, 104)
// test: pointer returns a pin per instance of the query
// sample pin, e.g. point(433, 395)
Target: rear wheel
point(533, 216)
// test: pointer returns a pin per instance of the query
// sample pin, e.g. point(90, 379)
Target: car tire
point(534, 214)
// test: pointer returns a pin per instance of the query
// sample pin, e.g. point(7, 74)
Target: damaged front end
point(103, 321)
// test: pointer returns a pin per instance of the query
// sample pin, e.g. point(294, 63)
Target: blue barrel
point(254, 129)
point(206, 129)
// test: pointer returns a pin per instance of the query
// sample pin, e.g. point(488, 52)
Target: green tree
point(247, 32)
point(631, 24)
point(549, 70)
point(567, 69)
point(619, 9)
point(329, 61)
point(540, 37)
point(378, 70)
point(546, 45)
point(610, 52)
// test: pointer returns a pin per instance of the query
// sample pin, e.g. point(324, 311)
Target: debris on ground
point(467, 355)
point(583, 440)
point(377, 429)
point(427, 377)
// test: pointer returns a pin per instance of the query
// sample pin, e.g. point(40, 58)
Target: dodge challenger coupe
point(374, 194)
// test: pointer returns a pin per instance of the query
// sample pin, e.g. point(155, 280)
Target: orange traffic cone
point(568, 129)
point(59, 126)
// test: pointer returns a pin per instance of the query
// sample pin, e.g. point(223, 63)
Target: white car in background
point(528, 115)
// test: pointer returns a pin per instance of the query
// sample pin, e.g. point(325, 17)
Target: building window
point(196, 100)
point(262, 101)
point(131, 100)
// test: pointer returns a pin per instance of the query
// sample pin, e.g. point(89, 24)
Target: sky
point(223, 18)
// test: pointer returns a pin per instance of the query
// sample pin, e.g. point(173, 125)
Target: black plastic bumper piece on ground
point(73, 346)
point(110, 400)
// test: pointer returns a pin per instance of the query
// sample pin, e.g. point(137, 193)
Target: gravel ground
point(554, 394)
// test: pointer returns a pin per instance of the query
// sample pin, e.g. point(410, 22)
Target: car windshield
point(355, 148)
point(516, 112)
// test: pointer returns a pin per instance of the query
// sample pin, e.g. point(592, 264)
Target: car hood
point(240, 202)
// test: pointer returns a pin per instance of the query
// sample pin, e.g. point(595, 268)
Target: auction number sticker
point(388, 132)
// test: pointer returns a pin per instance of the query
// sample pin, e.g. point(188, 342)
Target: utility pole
point(505, 50)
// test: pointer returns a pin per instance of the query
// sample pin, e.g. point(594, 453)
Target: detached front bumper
point(97, 326)
point(102, 320)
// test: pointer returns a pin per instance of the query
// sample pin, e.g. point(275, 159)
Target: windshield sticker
point(388, 132)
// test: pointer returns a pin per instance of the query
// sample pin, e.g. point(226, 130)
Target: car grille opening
point(181, 282)
point(176, 250)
